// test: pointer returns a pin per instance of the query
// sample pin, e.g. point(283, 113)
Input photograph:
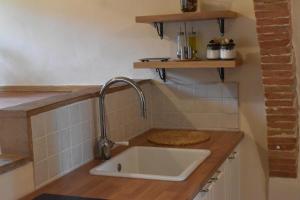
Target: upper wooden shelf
point(192, 16)
point(189, 64)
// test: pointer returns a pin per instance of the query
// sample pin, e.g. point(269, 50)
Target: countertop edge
point(76, 94)
point(16, 162)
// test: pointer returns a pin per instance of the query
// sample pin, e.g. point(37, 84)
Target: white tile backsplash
point(76, 134)
point(65, 161)
point(41, 172)
point(74, 114)
point(195, 106)
point(77, 155)
point(40, 152)
point(53, 166)
point(38, 126)
point(63, 139)
point(230, 90)
point(50, 121)
point(53, 143)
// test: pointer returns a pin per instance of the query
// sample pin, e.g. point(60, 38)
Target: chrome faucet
point(104, 144)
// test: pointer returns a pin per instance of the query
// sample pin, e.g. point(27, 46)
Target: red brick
point(284, 88)
point(282, 132)
point(278, 81)
point(279, 95)
point(277, 66)
point(281, 118)
point(266, 45)
point(285, 147)
point(276, 51)
point(274, 37)
point(284, 174)
point(269, 1)
point(288, 161)
point(276, 103)
point(273, 21)
point(272, 7)
point(275, 155)
point(276, 74)
point(273, 29)
point(276, 59)
point(272, 14)
point(283, 167)
point(281, 111)
point(282, 140)
point(283, 125)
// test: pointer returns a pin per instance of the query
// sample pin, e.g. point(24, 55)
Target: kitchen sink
point(158, 163)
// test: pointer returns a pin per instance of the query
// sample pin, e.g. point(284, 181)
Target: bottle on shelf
point(193, 40)
point(180, 38)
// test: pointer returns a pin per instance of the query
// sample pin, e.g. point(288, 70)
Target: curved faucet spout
point(105, 144)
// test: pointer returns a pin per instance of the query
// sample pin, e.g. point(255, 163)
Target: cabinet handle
point(232, 156)
point(207, 187)
point(204, 190)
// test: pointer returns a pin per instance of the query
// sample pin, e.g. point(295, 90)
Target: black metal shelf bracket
point(221, 22)
point(221, 70)
point(162, 74)
point(160, 29)
point(221, 73)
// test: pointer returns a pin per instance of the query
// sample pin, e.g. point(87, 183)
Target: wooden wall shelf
point(159, 20)
point(208, 64)
point(183, 17)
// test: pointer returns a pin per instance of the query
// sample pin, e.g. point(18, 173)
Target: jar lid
point(214, 45)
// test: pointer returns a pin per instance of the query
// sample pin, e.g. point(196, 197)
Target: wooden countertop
point(22, 101)
point(81, 183)
point(31, 100)
point(9, 162)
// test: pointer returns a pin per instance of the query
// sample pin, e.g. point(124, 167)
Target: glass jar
point(188, 5)
point(213, 50)
point(228, 51)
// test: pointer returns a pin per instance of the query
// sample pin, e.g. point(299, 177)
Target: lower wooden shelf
point(189, 64)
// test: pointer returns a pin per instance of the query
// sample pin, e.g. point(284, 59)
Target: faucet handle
point(122, 143)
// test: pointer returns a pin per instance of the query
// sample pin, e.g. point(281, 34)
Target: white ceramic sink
point(157, 163)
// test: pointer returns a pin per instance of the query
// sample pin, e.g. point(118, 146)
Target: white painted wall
point(89, 41)
point(17, 183)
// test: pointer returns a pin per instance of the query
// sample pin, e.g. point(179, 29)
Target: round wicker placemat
point(177, 137)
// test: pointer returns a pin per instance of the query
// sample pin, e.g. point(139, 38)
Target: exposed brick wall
point(274, 31)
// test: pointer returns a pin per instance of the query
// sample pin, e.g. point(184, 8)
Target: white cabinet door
point(219, 190)
point(232, 177)
point(235, 166)
point(204, 196)
point(228, 179)
point(225, 184)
